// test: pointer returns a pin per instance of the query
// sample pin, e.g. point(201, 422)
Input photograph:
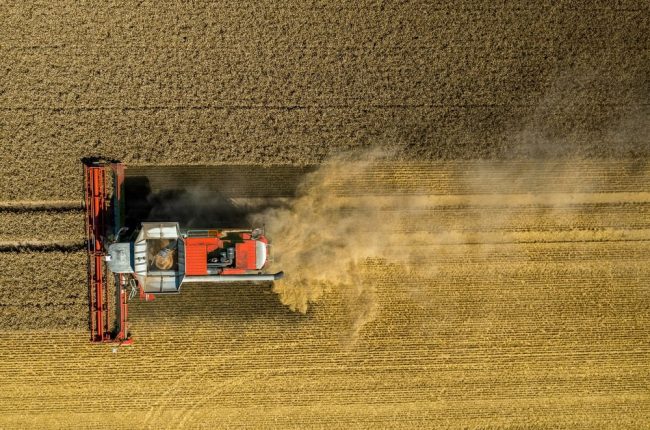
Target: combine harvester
point(156, 258)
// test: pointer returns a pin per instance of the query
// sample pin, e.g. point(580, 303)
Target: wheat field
point(478, 259)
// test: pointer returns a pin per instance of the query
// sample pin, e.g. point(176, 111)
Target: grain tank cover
point(156, 240)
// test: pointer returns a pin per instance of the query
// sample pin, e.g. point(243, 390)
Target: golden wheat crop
point(286, 83)
point(42, 226)
point(43, 290)
point(492, 274)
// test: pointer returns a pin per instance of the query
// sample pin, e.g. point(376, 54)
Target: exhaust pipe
point(234, 278)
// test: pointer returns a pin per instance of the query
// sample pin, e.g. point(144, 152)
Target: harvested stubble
point(546, 329)
point(545, 340)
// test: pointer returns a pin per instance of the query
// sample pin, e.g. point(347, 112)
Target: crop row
point(43, 290)
point(42, 226)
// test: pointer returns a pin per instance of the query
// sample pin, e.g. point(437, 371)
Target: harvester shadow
point(191, 208)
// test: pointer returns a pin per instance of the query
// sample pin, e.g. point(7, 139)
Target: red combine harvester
point(156, 258)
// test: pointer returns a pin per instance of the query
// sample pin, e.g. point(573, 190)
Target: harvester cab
point(156, 258)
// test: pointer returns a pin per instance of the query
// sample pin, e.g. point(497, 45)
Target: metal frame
point(98, 221)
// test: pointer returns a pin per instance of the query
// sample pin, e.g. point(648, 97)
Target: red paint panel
point(196, 260)
point(233, 272)
point(196, 254)
point(245, 255)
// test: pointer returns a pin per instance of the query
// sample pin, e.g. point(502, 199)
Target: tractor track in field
point(40, 246)
point(41, 206)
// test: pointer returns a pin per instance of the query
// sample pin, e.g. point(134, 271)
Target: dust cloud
point(321, 239)
point(545, 190)
point(337, 223)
